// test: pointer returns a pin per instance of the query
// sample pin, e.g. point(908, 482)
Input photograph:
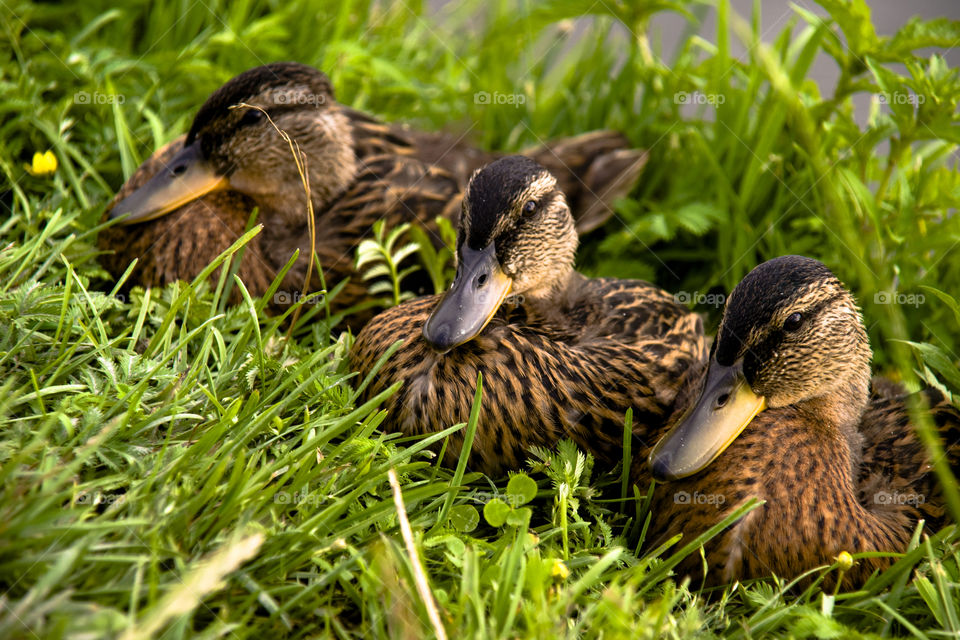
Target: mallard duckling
point(562, 355)
point(354, 179)
point(192, 199)
point(786, 415)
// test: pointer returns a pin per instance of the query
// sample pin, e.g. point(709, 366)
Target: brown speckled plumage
point(834, 456)
point(361, 171)
point(564, 357)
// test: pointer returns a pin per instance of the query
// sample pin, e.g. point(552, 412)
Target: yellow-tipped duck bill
point(724, 409)
point(187, 176)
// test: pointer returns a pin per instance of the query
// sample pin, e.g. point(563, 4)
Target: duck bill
point(187, 176)
point(476, 294)
point(724, 409)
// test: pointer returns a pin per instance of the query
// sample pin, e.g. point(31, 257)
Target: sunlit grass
point(173, 465)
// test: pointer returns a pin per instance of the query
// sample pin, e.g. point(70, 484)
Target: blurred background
point(889, 16)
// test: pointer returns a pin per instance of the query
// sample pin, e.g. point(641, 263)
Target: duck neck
point(549, 300)
point(813, 505)
point(333, 167)
point(837, 414)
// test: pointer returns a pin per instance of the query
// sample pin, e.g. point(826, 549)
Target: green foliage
point(170, 465)
point(380, 259)
point(520, 490)
point(386, 266)
point(438, 263)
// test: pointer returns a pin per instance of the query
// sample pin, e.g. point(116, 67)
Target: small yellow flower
point(559, 570)
point(845, 560)
point(43, 164)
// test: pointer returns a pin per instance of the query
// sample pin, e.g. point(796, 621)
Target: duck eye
point(530, 208)
point(250, 116)
point(793, 322)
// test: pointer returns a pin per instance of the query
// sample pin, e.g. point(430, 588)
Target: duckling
point(788, 414)
point(192, 199)
point(562, 355)
point(354, 180)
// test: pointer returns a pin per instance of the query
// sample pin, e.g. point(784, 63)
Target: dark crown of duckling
point(799, 332)
point(243, 145)
point(514, 204)
point(761, 294)
point(234, 143)
point(280, 87)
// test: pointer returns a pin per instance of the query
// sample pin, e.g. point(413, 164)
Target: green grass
point(171, 466)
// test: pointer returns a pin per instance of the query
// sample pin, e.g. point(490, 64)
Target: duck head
point(791, 335)
point(516, 235)
point(236, 147)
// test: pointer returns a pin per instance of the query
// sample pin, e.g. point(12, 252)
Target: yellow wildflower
point(559, 570)
point(43, 164)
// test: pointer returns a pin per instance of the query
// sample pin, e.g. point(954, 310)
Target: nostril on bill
point(481, 280)
point(722, 400)
point(178, 170)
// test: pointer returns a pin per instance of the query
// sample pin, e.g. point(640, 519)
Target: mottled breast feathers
point(621, 344)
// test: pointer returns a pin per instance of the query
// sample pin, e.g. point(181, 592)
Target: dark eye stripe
point(811, 312)
point(754, 356)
